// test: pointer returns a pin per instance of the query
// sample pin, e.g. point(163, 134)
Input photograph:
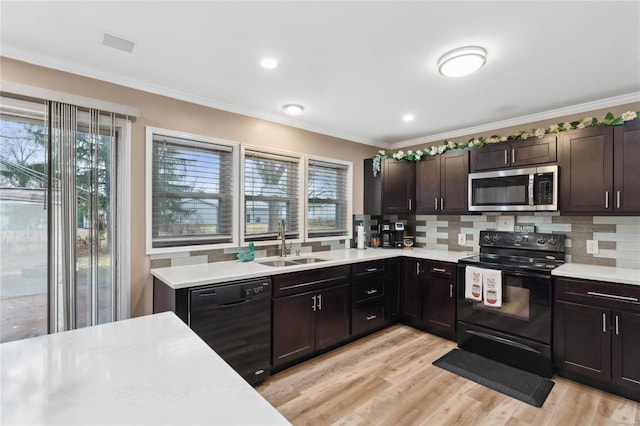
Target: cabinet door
point(534, 151)
point(293, 328)
point(582, 340)
point(372, 189)
point(491, 156)
point(398, 186)
point(587, 170)
point(625, 363)
point(393, 291)
point(626, 180)
point(428, 185)
point(439, 302)
point(454, 172)
point(332, 316)
point(410, 290)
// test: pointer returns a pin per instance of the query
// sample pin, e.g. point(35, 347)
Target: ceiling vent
point(119, 43)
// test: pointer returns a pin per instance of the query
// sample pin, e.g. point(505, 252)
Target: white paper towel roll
point(360, 233)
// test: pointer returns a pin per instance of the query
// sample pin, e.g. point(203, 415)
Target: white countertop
point(150, 370)
point(211, 273)
point(598, 273)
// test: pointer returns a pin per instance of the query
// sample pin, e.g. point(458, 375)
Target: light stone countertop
point(178, 277)
point(151, 370)
point(598, 273)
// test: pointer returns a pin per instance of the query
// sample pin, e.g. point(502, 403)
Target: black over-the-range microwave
point(526, 189)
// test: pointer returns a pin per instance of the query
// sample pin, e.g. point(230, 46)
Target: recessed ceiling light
point(293, 109)
point(268, 63)
point(408, 117)
point(462, 61)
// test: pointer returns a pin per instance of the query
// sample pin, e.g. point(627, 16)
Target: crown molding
point(546, 115)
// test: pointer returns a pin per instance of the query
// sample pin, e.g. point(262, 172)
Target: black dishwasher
point(235, 320)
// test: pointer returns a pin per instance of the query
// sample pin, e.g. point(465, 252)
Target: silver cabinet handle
point(506, 157)
point(409, 204)
point(450, 290)
point(606, 199)
point(513, 156)
point(618, 199)
point(372, 269)
point(370, 317)
point(319, 302)
point(314, 303)
point(371, 291)
point(617, 328)
point(417, 267)
point(436, 201)
point(604, 322)
point(438, 270)
point(441, 203)
point(612, 296)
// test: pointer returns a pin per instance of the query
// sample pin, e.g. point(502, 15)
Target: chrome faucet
point(283, 241)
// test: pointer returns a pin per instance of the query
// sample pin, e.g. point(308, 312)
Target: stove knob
point(552, 241)
point(496, 238)
point(540, 240)
point(487, 238)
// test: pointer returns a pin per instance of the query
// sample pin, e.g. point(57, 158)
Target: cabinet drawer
point(367, 290)
point(367, 269)
point(441, 269)
point(368, 318)
point(597, 293)
point(311, 280)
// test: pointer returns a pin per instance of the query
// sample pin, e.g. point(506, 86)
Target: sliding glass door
point(58, 205)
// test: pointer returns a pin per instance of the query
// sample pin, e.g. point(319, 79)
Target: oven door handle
point(503, 340)
point(528, 275)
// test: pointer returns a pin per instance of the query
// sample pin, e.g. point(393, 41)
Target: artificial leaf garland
point(447, 145)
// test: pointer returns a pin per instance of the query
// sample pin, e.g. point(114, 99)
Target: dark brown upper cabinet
point(441, 183)
point(514, 153)
point(599, 170)
point(398, 186)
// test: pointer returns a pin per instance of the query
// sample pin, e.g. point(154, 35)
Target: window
point(192, 203)
point(328, 199)
point(272, 188)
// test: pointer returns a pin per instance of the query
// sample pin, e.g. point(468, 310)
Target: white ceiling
point(357, 66)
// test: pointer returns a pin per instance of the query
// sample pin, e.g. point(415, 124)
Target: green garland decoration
point(609, 120)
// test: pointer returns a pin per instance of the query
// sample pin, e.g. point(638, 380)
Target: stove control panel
point(522, 240)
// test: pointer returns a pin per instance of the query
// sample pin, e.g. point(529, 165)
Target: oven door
point(525, 310)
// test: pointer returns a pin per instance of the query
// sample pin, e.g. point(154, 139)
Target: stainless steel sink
point(291, 261)
point(305, 260)
point(278, 263)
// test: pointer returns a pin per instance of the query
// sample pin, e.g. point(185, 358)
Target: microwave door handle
point(531, 183)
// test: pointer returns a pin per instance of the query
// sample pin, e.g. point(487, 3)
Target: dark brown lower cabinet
point(410, 292)
point(597, 334)
point(308, 322)
point(439, 299)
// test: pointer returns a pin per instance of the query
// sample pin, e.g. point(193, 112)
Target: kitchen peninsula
point(146, 370)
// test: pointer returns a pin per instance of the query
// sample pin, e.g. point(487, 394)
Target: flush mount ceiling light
point(268, 63)
point(408, 117)
point(462, 61)
point(293, 109)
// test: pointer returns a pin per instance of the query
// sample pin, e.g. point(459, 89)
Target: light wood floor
point(387, 379)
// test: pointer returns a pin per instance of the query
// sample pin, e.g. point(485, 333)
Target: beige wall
point(164, 112)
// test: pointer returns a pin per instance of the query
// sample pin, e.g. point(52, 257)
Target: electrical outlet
point(592, 246)
point(462, 239)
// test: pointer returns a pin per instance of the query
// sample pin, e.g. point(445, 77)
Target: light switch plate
point(462, 239)
point(592, 246)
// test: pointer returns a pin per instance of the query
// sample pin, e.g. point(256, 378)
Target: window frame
point(300, 199)
point(348, 200)
point(234, 182)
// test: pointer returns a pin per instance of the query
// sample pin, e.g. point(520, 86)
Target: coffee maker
point(391, 235)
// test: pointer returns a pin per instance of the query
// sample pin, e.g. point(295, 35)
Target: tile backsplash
point(618, 237)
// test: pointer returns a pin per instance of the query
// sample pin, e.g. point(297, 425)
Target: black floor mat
point(519, 384)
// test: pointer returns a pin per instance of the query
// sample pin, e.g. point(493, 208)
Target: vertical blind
point(192, 192)
point(271, 193)
point(327, 199)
